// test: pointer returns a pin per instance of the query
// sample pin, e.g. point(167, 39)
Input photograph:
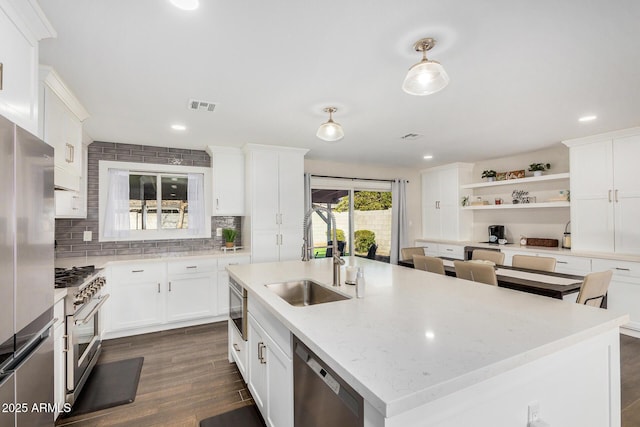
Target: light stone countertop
point(417, 336)
point(102, 261)
point(541, 249)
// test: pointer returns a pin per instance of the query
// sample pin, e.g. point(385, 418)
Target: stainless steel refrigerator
point(26, 278)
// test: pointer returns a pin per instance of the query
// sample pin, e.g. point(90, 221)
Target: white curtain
point(195, 198)
point(399, 231)
point(116, 218)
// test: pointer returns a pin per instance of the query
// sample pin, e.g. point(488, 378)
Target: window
point(147, 192)
point(158, 202)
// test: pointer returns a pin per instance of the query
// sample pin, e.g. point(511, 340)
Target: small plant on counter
point(229, 235)
point(489, 174)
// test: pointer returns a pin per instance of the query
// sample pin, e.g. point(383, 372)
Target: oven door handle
point(103, 299)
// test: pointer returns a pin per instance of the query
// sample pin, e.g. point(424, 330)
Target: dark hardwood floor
point(186, 378)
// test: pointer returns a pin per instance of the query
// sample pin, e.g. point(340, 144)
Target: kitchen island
point(424, 349)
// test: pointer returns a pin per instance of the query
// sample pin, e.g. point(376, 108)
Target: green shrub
point(340, 234)
point(363, 240)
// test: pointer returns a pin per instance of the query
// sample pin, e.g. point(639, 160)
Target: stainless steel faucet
point(307, 250)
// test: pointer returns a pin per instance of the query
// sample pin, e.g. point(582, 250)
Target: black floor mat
point(109, 385)
point(247, 416)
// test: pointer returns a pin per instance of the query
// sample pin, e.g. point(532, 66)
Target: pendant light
point(330, 131)
point(427, 76)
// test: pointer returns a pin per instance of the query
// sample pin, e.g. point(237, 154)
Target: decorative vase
point(537, 173)
point(229, 244)
point(491, 178)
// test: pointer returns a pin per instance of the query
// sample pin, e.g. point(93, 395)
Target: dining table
point(550, 284)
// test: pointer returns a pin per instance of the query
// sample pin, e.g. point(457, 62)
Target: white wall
point(358, 170)
point(541, 223)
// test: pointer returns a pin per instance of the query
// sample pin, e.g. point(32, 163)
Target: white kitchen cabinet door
point(19, 94)
point(265, 197)
point(279, 387)
point(238, 351)
point(442, 216)
point(137, 296)
point(592, 215)
point(191, 296)
point(257, 365)
point(626, 184)
point(291, 190)
point(227, 165)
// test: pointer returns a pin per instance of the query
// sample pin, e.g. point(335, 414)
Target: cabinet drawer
point(430, 249)
point(570, 264)
point(138, 272)
point(621, 269)
point(272, 326)
point(451, 251)
point(192, 266)
point(224, 262)
point(238, 350)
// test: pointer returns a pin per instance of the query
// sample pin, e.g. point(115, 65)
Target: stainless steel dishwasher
point(320, 397)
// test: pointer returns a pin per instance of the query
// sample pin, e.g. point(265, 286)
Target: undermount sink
point(305, 292)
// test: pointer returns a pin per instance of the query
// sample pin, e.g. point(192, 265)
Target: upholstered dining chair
point(541, 263)
point(483, 273)
point(428, 263)
point(408, 253)
point(594, 288)
point(494, 256)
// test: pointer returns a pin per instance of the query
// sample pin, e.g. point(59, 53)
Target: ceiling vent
point(410, 137)
point(197, 105)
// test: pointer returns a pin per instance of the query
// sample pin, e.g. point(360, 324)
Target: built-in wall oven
point(238, 307)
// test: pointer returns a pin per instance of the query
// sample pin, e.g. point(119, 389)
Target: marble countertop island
point(417, 337)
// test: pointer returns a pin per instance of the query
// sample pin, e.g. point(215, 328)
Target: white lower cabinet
point(270, 368)
point(238, 350)
point(191, 289)
point(624, 289)
point(136, 295)
point(154, 296)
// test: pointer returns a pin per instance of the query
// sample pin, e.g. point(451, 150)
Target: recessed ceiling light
point(178, 127)
point(186, 4)
point(428, 157)
point(587, 118)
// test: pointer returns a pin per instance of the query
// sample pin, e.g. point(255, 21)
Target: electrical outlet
point(534, 413)
point(219, 232)
point(87, 236)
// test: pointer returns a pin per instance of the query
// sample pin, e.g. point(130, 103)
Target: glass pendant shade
point(330, 131)
point(425, 77)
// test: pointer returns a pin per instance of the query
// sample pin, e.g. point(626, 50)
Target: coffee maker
point(496, 232)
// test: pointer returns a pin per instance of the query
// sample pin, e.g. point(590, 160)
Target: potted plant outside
point(229, 235)
point(489, 174)
point(538, 168)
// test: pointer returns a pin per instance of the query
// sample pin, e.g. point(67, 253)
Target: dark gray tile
point(179, 150)
point(155, 160)
point(116, 151)
point(110, 252)
point(128, 158)
point(130, 251)
point(153, 148)
point(202, 163)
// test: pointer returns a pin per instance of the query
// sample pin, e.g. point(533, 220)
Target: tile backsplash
point(69, 232)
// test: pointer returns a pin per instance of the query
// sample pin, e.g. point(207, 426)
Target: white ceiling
point(522, 72)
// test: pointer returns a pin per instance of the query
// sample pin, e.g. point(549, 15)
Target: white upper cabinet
point(605, 192)
point(274, 202)
point(61, 126)
point(227, 165)
point(442, 216)
point(22, 25)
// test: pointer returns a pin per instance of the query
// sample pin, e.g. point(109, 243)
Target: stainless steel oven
point(238, 307)
point(83, 333)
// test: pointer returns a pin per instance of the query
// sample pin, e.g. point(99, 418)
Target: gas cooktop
point(74, 276)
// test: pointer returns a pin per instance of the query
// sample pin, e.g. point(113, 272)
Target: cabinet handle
point(615, 197)
point(236, 348)
point(622, 269)
point(66, 343)
point(69, 157)
point(158, 287)
point(562, 262)
point(277, 219)
point(1, 75)
point(217, 204)
point(169, 286)
point(192, 266)
point(609, 196)
point(137, 271)
point(450, 250)
point(261, 358)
